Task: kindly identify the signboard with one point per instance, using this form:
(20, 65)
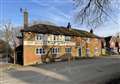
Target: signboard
(49, 43)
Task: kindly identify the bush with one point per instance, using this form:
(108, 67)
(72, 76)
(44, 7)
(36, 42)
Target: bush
(3, 49)
(110, 53)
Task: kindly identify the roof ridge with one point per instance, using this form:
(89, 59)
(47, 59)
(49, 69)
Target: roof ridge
(58, 30)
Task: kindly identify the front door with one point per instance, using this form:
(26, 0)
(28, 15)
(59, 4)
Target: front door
(79, 52)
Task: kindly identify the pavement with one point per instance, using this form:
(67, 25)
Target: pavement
(83, 71)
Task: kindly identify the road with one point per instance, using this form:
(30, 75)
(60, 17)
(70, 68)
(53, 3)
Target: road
(83, 71)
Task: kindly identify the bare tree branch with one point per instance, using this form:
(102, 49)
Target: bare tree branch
(92, 12)
(9, 35)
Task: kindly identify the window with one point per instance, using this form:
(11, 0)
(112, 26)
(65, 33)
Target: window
(96, 40)
(68, 50)
(67, 38)
(40, 51)
(55, 50)
(88, 40)
(56, 38)
(39, 37)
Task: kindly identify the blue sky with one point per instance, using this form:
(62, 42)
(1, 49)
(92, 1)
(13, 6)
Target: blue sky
(59, 12)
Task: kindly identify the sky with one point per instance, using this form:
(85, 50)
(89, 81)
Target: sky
(59, 12)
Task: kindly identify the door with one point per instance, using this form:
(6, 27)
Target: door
(79, 52)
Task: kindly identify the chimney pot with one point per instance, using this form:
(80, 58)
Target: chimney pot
(69, 25)
(91, 31)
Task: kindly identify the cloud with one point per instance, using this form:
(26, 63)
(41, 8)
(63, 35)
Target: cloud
(40, 3)
(59, 12)
(52, 1)
(52, 12)
(51, 7)
(108, 29)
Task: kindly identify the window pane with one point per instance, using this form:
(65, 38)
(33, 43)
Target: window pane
(55, 50)
(37, 51)
(43, 51)
(52, 50)
(88, 40)
(40, 51)
(39, 36)
(67, 38)
(68, 50)
(58, 50)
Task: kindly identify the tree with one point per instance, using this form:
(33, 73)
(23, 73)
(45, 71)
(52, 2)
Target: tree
(93, 12)
(9, 35)
(3, 49)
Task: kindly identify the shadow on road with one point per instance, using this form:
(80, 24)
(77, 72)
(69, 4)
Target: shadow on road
(65, 73)
(34, 75)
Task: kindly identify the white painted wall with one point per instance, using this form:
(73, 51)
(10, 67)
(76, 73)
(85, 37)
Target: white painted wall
(48, 39)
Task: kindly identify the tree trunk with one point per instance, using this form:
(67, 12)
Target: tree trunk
(14, 54)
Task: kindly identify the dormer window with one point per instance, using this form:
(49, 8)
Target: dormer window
(39, 37)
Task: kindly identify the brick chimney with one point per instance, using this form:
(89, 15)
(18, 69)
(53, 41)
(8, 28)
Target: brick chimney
(69, 26)
(25, 17)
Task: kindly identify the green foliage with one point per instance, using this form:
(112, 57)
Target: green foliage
(108, 53)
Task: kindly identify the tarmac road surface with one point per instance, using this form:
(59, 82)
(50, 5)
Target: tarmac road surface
(85, 71)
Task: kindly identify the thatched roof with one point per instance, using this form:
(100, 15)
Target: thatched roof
(57, 30)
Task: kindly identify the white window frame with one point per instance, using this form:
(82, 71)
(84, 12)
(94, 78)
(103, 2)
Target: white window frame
(67, 38)
(39, 37)
(88, 40)
(68, 50)
(55, 50)
(56, 38)
(40, 51)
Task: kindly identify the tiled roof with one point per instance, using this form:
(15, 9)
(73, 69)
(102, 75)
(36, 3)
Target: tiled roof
(107, 39)
(112, 38)
(57, 30)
